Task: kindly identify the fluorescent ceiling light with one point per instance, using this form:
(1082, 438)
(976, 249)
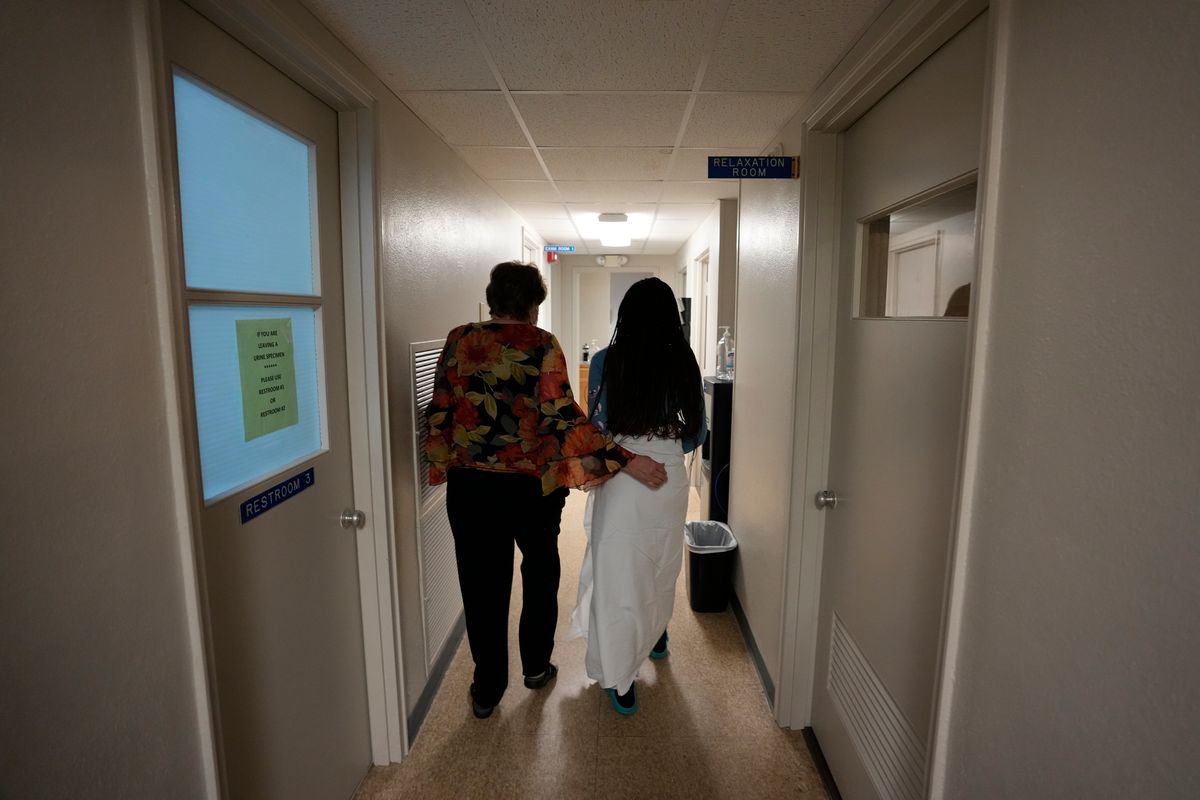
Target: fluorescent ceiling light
(591, 228)
(614, 230)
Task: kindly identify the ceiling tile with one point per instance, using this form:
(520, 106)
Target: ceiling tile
(410, 46)
(635, 247)
(784, 46)
(739, 120)
(541, 211)
(555, 228)
(657, 247)
(673, 229)
(698, 191)
(525, 191)
(589, 226)
(603, 120)
(610, 192)
(616, 44)
(600, 208)
(692, 164)
(503, 163)
(607, 163)
(693, 211)
(468, 118)
(572, 239)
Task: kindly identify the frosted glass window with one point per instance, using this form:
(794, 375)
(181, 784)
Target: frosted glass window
(232, 455)
(247, 193)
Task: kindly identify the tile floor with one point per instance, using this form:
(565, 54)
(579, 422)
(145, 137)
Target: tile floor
(703, 728)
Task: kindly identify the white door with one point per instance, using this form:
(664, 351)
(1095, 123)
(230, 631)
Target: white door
(257, 169)
(907, 172)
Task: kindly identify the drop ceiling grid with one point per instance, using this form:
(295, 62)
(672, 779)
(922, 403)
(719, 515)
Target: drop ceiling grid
(558, 103)
(410, 46)
(503, 163)
(588, 45)
(607, 164)
(781, 45)
(599, 119)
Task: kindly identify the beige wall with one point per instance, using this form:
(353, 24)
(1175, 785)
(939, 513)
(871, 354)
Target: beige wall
(566, 313)
(97, 692)
(760, 472)
(99, 678)
(443, 230)
(1080, 650)
(593, 310)
(705, 238)
(717, 235)
(727, 270)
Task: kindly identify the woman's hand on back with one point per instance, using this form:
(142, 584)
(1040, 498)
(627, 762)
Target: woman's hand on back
(647, 471)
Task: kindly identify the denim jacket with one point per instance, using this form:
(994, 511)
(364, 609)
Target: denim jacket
(598, 407)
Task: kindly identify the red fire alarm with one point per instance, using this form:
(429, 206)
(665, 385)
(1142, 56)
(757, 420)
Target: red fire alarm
(551, 258)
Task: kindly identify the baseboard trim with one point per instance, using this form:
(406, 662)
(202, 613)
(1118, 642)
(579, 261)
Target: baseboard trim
(760, 666)
(818, 757)
(436, 674)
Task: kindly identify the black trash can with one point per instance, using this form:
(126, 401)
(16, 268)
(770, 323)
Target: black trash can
(711, 549)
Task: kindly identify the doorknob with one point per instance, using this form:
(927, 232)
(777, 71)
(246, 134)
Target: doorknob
(353, 518)
(826, 499)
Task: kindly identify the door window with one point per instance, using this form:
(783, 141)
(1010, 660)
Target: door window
(257, 383)
(248, 205)
(918, 259)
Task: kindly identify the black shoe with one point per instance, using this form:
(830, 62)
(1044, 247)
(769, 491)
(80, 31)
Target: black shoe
(625, 704)
(538, 681)
(660, 650)
(480, 711)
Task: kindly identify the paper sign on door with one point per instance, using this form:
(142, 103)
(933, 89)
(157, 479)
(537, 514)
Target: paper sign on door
(268, 375)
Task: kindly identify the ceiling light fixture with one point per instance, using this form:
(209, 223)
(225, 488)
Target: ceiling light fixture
(614, 230)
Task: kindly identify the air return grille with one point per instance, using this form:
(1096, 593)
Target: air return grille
(441, 602)
(894, 756)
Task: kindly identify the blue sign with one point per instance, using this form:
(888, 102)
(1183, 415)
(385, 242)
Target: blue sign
(559, 248)
(277, 494)
(753, 167)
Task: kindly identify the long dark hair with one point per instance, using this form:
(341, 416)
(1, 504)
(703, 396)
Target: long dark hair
(651, 373)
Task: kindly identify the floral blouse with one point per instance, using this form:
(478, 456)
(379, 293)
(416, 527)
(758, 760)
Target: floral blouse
(502, 401)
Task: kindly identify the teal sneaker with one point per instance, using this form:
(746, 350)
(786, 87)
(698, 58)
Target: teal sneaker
(660, 650)
(625, 704)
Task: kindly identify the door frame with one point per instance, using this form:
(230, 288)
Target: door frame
(278, 40)
(900, 39)
(575, 344)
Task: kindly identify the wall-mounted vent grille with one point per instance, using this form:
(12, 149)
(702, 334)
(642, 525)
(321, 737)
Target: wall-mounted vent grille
(441, 602)
(894, 756)
(424, 368)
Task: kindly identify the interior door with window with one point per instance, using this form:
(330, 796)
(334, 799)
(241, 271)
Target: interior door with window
(259, 224)
(906, 262)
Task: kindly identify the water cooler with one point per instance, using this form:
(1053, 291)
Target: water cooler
(714, 467)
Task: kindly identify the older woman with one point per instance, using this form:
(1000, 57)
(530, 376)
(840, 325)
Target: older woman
(506, 435)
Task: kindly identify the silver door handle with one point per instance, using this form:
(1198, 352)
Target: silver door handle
(353, 518)
(826, 499)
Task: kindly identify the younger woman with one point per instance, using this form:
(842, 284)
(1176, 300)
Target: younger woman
(645, 390)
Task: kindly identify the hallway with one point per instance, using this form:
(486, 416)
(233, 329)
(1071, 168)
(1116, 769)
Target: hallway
(202, 194)
(703, 728)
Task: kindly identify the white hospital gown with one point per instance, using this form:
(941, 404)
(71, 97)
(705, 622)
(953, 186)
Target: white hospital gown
(634, 553)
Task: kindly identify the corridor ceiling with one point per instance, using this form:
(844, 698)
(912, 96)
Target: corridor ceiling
(572, 108)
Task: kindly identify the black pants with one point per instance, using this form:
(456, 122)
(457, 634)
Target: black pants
(489, 511)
